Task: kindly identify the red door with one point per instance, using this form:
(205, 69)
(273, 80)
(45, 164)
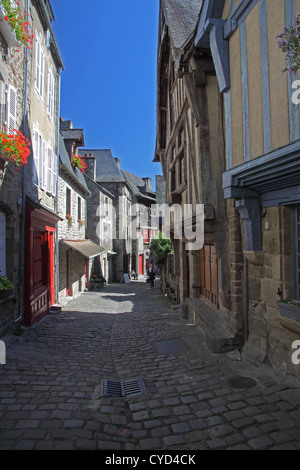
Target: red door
(141, 264)
(51, 263)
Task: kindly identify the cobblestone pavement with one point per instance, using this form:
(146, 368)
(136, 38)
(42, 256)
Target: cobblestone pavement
(50, 387)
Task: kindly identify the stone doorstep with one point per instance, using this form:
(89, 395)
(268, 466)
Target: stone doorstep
(218, 339)
(55, 308)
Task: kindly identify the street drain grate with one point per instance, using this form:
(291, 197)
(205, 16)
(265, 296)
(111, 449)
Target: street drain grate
(125, 388)
(241, 382)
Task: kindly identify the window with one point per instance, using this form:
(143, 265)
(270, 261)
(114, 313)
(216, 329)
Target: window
(181, 169)
(51, 93)
(106, 206)
(39, 66)
(173, 180)
(44, 170)
(68, 201)
(2, 244)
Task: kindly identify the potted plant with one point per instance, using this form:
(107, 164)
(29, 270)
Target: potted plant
(5, 286)
(289, 42)
(14, 148)
(290, 308)
(69, 219)
(78, 162)
(81, 223)
(16, 18)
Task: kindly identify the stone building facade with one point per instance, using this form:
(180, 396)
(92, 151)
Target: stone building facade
(144, 227)
(74, 267)
(261, 181)
(109, 176)
(41, 173)
(226, 70)
(100, 225)
(190, 147)
(12, 95)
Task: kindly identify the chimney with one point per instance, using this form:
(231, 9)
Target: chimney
(148, 184)
(65, 125)
(118, 162)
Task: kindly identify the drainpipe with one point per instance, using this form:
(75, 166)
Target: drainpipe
(57, 173)
(22, 224)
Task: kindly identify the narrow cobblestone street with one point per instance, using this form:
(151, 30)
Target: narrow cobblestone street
(50, 387)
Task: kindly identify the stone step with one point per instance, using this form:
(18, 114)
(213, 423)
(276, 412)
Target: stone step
(56, 308)
(218, 339)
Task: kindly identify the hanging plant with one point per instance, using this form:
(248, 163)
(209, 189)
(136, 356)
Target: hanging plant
(14, 148)
(78, 162)
(69, 219)
(5, 284)
(289, 42)
(17, 20)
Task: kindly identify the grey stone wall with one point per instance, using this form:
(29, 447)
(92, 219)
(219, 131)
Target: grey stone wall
(11, 73)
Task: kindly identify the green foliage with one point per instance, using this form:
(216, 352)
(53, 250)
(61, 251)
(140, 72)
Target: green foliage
(161, 248)
(5, 284)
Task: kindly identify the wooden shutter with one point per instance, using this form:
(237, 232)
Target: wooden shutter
(42, 72)
(49, 169)
(11, 109)
(37, 63)
(50, 103)
(2, 244)
(54, 173)
(43, 158)
(35, 164)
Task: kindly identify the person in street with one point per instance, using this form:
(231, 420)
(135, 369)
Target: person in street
(133, 274)
(151, 279)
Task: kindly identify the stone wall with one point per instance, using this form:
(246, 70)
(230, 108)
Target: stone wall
(11, 73)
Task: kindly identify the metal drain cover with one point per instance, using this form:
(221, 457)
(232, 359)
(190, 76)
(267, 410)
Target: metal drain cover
(172, 346)
(125, 388)
(241, 382)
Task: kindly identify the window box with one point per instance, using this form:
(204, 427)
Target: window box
(290, 309)
(5, 29)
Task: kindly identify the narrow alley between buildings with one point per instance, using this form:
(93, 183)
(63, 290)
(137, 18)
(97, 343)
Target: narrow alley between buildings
(119, 369)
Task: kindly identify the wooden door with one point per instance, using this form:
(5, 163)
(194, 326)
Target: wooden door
(51, 264)
(209, 273)
(141, 264)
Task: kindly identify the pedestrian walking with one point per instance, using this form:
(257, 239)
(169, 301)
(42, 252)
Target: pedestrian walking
(151, 279)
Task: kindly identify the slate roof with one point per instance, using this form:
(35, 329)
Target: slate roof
(66, 163)
(181, 19)
(107, 170)
(138, 185)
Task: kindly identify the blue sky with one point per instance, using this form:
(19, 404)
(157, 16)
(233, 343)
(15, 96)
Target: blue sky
(109, 51)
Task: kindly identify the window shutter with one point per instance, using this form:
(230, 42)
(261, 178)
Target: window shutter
(2, 244)
(37, 63)
(35, 164)
(50, 104)
(49, 169)
(43, 158)
(54, 173)
(11, 109)
(42, 73)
